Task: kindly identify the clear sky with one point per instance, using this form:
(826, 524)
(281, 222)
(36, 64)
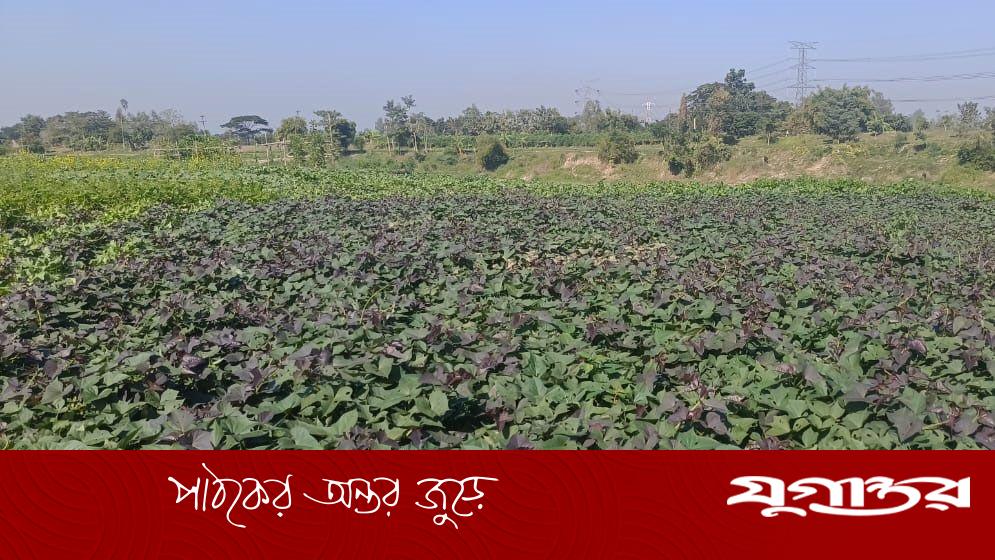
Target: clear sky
(273, 58)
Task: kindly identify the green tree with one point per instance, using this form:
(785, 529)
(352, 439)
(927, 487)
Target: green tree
(27, 133)
(591, 118)
(291, 126)
(140, 129)
(617, 148)
(989, 121)
(170, 128)
(841, 114)
(395, 122)
(617, 120)
(731, 109)
(341, 132)
(247, 128)
(78, 130)
(969, 115)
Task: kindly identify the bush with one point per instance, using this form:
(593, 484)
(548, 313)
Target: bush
(617, 148)
(296, 148)
(901, 139)
(491, 153)
(32, 145)
(202, 146)
(980, 156)
(449, 157)
(86, 143)
(710, 152)
(876, 126)
(316, 149)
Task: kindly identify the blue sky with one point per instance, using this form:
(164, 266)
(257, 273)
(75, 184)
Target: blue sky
(221, 58)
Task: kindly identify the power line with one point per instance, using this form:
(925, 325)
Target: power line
(948, 77)
(643, 93)
(768, 84)
(940, 99)
(970, 53)
(773, 73)
(685, 89)
(766, 66)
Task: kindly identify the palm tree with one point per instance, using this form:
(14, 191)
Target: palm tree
(120, 114)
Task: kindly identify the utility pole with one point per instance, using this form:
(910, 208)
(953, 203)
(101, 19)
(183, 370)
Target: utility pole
(801, 85)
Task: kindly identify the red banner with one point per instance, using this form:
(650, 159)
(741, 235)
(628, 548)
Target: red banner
(413, 504)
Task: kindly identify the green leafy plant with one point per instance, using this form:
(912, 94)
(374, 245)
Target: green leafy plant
(491, 153)
(617, 148)
(202, 304)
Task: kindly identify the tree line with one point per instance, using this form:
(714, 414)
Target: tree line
(710, 116)
(97, 130)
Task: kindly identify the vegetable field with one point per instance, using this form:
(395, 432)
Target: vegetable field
(205, 305)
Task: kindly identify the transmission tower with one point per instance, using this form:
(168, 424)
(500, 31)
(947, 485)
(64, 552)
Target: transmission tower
(801, 85)
(586, 94)
(203, 124)
(648, 106)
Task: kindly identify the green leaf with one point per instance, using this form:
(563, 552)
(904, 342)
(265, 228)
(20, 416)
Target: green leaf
(113, 377)
(53, 392)
(779, 426)
(303, 438)
(913, 399)
(344, 423)
(384, 365)
(439, 403)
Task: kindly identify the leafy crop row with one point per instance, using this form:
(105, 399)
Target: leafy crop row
(295, 310)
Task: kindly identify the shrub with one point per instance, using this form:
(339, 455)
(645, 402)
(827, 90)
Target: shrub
(316, 149)
(675, 165)
(32, 145)
(202, 147)
(901, 139)
(980, 156)
(876, 126)
(296, 148)
(449, 157)
(491, 153)
(710, 152)
(86, 143)
(407, 166)
(617, 148)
